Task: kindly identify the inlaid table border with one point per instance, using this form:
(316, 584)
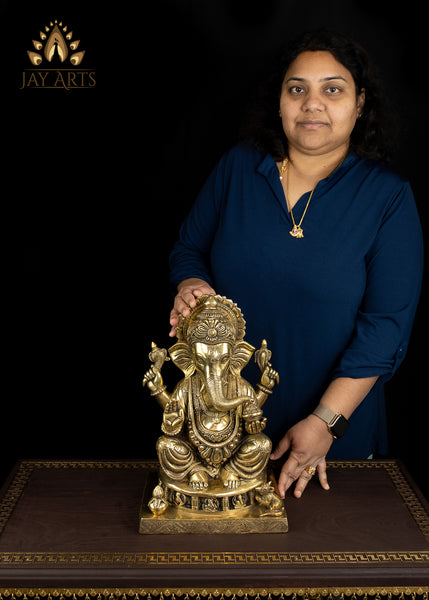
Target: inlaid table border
(26, 468)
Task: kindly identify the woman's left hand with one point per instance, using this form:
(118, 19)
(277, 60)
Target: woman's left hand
(308, 442)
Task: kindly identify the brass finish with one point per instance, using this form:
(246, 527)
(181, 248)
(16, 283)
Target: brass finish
(213, 455)
(238, 517)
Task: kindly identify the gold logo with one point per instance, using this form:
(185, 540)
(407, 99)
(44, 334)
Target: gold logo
(56, 44)
(56, 62)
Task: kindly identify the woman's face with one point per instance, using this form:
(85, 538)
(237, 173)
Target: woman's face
(318, 103)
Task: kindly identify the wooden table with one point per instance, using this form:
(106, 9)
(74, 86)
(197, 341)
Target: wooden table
(71, 527)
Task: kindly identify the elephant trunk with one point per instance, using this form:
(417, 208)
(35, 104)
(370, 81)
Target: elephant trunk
(214, 389)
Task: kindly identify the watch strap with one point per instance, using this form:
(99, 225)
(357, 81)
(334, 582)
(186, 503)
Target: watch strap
(336, 423)
(326, 414)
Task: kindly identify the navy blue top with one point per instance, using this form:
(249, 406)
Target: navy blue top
(339, 302)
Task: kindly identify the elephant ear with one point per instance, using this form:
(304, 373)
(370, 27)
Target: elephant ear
(241, 355)
(182, 357)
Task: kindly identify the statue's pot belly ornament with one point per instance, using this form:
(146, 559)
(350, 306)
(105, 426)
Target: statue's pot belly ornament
(213, 453)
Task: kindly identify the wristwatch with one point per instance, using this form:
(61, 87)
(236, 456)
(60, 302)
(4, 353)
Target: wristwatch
(337, 424)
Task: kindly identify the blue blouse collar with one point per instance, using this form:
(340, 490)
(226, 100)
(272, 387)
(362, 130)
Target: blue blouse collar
(268, 167)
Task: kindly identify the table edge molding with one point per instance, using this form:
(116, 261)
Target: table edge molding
(149, 559)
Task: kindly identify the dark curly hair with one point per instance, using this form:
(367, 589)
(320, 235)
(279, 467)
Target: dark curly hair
(372, 135)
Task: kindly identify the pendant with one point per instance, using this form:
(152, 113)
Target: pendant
(297, 232)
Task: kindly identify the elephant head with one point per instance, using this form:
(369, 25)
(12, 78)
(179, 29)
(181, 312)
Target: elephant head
(214, 345)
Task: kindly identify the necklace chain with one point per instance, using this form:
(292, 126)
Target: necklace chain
(297, 231)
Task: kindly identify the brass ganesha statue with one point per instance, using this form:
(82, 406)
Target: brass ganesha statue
(213, 454)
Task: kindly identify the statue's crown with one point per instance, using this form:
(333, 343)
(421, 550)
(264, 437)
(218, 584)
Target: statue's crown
(213, 320)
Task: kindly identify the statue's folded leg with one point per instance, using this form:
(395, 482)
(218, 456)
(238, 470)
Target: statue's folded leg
(179, 461)
(251, 457)
(176, 457)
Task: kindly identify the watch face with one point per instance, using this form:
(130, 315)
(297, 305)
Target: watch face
(339, 427)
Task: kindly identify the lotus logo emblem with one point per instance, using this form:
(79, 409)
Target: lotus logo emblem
(56, 61)
(57, 45)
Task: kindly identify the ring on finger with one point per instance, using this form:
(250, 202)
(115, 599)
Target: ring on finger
(310, 470)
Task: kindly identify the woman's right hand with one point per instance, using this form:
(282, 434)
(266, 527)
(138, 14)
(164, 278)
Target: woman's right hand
(188, 291)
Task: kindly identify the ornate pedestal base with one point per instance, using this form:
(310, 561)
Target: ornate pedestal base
(216, 510)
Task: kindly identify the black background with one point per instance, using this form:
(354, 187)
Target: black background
(95, 183)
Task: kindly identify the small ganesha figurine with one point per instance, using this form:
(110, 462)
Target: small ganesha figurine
(213, 453)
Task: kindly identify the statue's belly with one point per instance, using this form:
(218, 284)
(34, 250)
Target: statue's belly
(215, 436)
(216, 422)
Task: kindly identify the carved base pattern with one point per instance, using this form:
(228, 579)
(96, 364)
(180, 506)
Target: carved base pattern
(206, 503)
(189, 511)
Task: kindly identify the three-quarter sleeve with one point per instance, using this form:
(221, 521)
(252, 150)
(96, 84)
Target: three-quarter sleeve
(190, 254)
(394, 266)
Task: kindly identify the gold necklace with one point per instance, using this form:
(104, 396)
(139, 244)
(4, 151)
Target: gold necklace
(296, 230)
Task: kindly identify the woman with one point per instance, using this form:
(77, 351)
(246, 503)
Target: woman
(320, 245)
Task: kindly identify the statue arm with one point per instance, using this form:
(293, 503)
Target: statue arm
(154, 382)
(174, 412)
(252, 415)
(261, 397)
(269, 377)
(153, 378)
